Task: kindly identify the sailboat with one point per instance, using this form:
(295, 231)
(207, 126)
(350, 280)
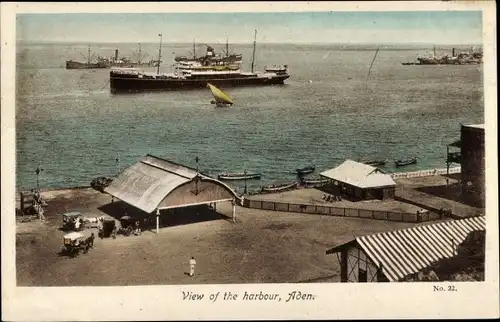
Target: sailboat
(221, 99)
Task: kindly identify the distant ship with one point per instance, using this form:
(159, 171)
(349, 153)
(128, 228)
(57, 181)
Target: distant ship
(197, 73)
(210, 58)
(462, 58)
(71, 64)
(104, 62)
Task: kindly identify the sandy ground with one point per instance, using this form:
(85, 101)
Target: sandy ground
(261, 247)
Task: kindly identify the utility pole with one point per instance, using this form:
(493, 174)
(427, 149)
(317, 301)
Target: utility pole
(245, 174)
(37, 171)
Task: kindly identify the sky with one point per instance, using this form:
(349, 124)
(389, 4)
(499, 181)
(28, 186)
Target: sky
(438, 27)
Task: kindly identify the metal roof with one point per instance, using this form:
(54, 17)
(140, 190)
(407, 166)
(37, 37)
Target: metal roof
(145, 184)
(401, 253)
(359, 175)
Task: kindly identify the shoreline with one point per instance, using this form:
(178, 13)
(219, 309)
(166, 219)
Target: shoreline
(394, 175)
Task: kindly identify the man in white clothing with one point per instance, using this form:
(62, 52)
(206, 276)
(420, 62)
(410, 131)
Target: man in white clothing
(192, 263)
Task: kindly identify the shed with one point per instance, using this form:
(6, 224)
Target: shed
(153, 184)
(395, 255)
(361, 181)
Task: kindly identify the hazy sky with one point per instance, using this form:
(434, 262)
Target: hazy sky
(439, 27)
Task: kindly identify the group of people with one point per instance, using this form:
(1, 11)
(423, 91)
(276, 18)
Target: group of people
(331, 198)
(38, 202)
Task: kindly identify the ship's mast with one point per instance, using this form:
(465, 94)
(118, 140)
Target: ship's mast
(434, 50)
(140, 54)
(159, 54)
(254, 43)
(227, 48)
(194, 48)
(88, 57)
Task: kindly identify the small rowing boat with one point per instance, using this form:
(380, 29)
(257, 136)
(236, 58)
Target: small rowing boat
(375, 163)
(280, 187)
(306, 170)
(402, 163)
(239, 176)
(315, 182)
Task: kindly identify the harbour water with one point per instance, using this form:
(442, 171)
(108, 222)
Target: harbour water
(69, 124)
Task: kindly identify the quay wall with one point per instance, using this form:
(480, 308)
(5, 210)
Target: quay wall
(327, 210)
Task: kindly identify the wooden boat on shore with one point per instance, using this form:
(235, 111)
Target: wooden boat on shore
(315, 182)
(374, 163)
(305, 170)
(239, 176)
(280, 187)
(402, 163)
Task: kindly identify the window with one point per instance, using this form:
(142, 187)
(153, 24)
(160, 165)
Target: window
(362, 276)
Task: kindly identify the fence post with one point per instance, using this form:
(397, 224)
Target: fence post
(288, 207)
(344, 211)
(274, 206)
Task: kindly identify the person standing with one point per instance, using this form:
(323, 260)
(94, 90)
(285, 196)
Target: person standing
(192, 264)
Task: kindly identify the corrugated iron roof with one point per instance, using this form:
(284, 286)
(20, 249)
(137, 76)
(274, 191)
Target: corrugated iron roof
(404, 252)
(359, 175)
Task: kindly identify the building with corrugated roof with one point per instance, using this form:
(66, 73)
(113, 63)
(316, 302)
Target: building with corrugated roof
(399, 254)
(360, 181)
(154, 184)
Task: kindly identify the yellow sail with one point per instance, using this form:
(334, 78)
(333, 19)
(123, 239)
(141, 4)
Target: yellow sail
(220, 96)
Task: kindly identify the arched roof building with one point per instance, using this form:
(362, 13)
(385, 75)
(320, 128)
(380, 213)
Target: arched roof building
(153, 184)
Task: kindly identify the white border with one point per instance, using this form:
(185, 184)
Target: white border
(386, 300)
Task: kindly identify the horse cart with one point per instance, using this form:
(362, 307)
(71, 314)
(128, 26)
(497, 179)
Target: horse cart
(73, 221)
(128, 225)
(76, 242)
(108, 228)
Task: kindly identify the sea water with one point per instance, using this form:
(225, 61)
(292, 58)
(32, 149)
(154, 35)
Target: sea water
(71, 126)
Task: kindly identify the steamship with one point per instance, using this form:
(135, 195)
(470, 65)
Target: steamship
(195, 72)
(116, 61)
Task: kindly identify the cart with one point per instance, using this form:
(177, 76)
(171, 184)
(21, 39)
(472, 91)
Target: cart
(75, 242)
(108, 226)
(72, 221)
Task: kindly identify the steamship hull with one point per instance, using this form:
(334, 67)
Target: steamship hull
(77, 65)
(132, 83)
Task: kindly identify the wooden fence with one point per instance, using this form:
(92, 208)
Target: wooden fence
(424, 173)
(337, 211)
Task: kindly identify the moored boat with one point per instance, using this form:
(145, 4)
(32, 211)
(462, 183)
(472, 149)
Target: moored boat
(306, 170)
(314, 182)
(402, 163)
(280, 187)
(374, 163)
(239, 176)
